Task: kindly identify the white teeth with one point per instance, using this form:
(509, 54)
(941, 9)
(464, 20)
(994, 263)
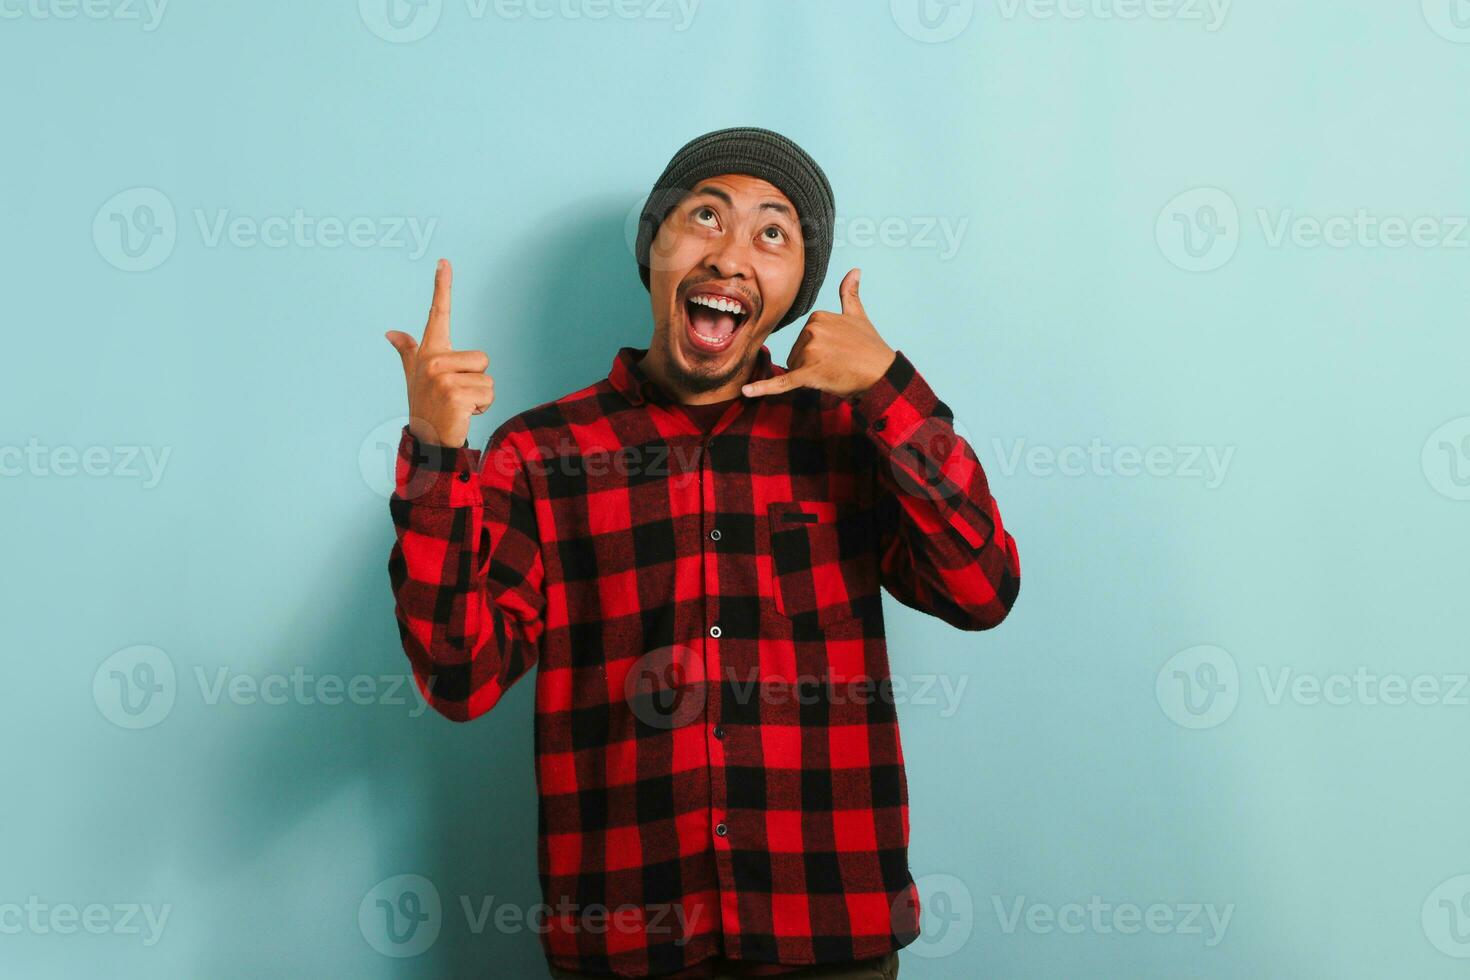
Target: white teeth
(719, 303)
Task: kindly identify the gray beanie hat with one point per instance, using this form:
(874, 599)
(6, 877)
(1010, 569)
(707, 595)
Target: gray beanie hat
(759, 153)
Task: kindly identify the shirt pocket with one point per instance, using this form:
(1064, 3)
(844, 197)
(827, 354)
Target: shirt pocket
(823, 562)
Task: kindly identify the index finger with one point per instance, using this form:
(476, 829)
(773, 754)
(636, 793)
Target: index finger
(776, 385)
(436, 331)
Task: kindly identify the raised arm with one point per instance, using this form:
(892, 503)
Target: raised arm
(943, 548)
(466, 566)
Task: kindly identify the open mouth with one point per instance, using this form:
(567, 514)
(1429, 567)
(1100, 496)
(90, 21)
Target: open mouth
(713, 320)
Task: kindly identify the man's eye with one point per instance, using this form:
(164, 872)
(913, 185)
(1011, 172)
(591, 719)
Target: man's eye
(775, 234)
(704, 213)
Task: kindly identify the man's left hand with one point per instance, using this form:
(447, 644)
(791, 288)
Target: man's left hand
(839, 353)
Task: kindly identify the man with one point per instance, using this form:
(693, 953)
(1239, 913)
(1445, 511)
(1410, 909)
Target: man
(691, 552)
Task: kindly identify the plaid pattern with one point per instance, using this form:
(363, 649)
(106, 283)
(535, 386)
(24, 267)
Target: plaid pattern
(717, 749)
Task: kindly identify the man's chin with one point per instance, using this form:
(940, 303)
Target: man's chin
(697, 372)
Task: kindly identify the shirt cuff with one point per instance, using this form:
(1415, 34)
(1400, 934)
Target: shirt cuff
(437, 476)
(896, 404)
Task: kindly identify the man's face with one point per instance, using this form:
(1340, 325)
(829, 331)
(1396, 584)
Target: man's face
(734, 239)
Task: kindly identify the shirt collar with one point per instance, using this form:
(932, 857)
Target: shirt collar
(630, 380)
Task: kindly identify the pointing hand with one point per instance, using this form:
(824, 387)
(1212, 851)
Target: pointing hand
(445, 386)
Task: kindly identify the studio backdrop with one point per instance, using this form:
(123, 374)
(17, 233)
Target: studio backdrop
(1191, 274)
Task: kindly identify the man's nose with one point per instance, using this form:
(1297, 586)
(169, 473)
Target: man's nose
(729, 257)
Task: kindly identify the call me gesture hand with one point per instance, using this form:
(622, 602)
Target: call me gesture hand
(839, 353)
(445, 386)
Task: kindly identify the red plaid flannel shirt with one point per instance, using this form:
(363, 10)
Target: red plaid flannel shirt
(717, 748)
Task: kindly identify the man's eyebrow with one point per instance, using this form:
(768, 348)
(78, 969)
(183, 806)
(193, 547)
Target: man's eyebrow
(764, 205)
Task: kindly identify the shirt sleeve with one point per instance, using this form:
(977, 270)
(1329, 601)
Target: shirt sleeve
(466, 571)
(943, 548)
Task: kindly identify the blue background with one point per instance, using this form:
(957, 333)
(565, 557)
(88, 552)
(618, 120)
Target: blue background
(1094, 750)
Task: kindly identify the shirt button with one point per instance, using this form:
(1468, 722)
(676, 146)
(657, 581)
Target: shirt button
(464, 476)
(715, 631)
(721, 829)
(719, 732)
(715, 535)
(880, 424)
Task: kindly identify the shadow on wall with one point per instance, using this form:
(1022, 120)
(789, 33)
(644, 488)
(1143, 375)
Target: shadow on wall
(453, 803)
(558, 311)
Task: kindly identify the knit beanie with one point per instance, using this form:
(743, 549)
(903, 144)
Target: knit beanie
(758, 153)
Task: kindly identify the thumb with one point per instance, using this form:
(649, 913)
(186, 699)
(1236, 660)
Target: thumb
(405, 345)
(852, 304)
